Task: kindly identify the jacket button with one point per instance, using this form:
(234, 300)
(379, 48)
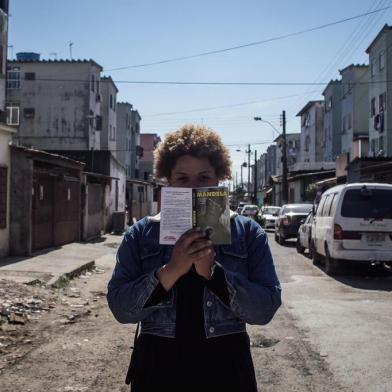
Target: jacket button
(212, 329)
(209, 303)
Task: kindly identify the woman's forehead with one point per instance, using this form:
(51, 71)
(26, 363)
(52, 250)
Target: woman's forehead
(190, 164)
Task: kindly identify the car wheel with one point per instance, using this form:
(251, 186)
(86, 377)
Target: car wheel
(276, 237)
(300, 248)
(316, 258)
(331, 264)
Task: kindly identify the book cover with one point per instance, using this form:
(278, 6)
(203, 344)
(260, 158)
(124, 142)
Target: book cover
(184, 208)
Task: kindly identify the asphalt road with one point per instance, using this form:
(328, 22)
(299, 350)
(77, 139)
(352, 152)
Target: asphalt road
(329, 335)
(346, 319)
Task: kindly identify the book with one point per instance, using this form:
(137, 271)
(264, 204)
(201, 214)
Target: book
(185, 208)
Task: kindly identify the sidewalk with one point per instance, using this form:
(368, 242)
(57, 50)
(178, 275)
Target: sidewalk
(53, 265)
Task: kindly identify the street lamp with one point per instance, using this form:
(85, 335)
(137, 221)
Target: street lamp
(270, 124)
(284, 153)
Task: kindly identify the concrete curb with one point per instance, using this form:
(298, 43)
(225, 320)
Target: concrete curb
(62, 280)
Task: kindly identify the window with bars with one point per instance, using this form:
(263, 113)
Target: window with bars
(13, 115)
(13, 78)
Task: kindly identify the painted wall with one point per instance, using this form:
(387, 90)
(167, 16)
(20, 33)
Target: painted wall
(64, 111)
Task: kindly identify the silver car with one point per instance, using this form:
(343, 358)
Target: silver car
(269, 213)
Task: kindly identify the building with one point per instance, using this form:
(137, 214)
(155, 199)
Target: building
(380, 94)
(355, 117)
(55, 105)
(312, 130)
(45, 200)
(6, 134)
(332, 136)
(128, 138)
(108, 97)
(293, 141)
(63, 107)
(4, 5)
(149, 142)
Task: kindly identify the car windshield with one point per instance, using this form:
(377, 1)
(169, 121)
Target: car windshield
(271, 210)
(367, 203)
(302, 208)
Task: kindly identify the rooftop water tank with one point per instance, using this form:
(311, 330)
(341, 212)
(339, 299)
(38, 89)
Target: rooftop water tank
(27, 56)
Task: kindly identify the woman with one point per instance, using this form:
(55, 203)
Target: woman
(193, 299)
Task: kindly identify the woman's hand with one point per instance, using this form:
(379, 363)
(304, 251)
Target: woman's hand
(204, 263)
(191, 248)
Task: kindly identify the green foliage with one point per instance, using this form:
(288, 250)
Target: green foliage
(310, 192)
(259, 219)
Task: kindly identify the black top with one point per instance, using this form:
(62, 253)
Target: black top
(191, 362)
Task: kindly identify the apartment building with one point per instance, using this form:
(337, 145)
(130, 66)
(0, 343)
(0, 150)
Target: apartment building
(380, 94)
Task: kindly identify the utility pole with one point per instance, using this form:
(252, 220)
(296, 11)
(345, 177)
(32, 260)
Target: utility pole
(255, 181)
(70, 49)
(248, 187)
(285, 188)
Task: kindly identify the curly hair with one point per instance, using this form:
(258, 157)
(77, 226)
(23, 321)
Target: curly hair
(197, 141)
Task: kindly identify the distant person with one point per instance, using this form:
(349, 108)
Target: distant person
(193, 300)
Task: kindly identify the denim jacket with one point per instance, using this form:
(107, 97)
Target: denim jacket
(252, 283)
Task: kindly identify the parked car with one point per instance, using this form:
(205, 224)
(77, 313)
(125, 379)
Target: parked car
(304, 238)
(240, 207)
(269, 213)
(289, 219)
(353, 222)
(250, 210)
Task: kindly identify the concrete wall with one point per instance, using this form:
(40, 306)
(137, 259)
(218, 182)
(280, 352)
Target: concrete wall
(312, 133)
(64, 109)
(354, 104)
(109, 116)
(3, 57)
(21, 205)
(379, 86)
(5, 160)
(332, 140)
(128, 137)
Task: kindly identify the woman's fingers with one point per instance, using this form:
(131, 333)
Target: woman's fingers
(197, 246)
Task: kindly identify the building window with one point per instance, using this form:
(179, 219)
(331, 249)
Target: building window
(13, 78)
(306, 120)
(111, 101)
(110, 132)
(382, 60)
(92, 83)
(114, 133)
(328, 105)
(29, 112)
(381, 143)
(373, 107)
(98, 123)
(3, 197)
(13, 115)
(381, 102)
(307, 143)
(114, 103)
(29, 75)
(372, 67)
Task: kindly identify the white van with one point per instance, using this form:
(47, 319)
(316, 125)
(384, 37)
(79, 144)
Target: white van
(353, 222)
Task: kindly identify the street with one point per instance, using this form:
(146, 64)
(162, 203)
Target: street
(329, 335)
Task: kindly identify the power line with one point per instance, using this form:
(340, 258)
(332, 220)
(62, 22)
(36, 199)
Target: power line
(278, 38)
(214, 83)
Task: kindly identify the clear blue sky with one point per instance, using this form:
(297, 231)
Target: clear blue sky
(127, 32)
